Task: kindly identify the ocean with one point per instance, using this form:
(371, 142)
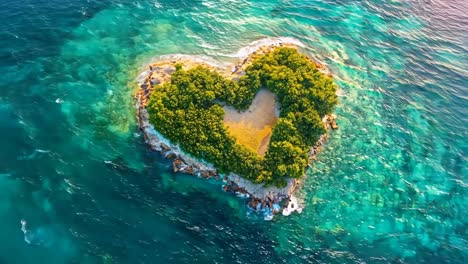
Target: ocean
(390, 185)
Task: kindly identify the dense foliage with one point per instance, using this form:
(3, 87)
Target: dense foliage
(187, 111)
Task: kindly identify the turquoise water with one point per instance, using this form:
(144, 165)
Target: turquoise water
(390, 186)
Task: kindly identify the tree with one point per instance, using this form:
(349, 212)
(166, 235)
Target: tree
(310, 126)
(187, 111)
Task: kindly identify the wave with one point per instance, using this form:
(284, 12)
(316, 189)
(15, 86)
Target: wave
(241, 54)
(175, 57)
(196, 58)
(269, 41)
(33, 154)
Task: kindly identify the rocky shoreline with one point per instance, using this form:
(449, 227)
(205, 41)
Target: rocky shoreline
(269, 200)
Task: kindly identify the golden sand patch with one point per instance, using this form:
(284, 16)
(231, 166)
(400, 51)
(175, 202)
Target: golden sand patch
(252, 128)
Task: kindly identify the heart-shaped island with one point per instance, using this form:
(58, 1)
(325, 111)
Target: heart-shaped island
(259, 123)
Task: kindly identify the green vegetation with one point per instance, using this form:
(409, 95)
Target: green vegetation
(187, 112)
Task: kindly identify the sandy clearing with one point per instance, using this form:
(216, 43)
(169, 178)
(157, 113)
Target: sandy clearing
(253, 127)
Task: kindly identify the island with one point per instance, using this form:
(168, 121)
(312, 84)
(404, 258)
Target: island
(257, 125)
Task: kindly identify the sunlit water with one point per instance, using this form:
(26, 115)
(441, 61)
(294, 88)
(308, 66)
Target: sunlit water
(390, 186)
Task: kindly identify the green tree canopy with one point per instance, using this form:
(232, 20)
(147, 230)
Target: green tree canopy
(187, 112)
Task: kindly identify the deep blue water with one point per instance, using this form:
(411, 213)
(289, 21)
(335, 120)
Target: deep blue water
(390, 186)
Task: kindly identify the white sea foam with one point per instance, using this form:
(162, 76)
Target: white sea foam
(268, 217)
(157, 4)
(293, 205)
(196, 58)
(241, 54)
(256, 45)
(69, 183)
(33, 154)
(25, 231)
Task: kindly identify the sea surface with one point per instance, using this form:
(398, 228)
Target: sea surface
(390, 186)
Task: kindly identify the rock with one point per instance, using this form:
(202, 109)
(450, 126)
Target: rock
(155, 81)
(269, 197)
(331, 122)
(178, 165)
(171, 155)
(205, 174)
(334, 126)
(253, 203)
(165, 147)
(241, 190)
(313, 151)
(213, 174)
(170, 69)
(259, 190)
(258, 204)
(189, 170)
